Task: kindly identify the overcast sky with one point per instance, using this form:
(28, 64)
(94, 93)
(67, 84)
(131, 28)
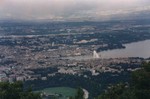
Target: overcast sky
(70, 9)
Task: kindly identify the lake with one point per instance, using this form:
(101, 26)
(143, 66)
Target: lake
(136, 49)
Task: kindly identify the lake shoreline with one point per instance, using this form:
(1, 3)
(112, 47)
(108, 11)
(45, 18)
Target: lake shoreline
(134, 49)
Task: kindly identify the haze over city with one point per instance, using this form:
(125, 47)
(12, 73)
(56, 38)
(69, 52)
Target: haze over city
(74, 49)
(72, 9)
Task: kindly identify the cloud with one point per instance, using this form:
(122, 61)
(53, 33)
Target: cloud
(69, 9)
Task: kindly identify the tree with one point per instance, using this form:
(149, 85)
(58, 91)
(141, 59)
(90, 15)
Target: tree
(139, 88)
(16, 91)
(79, 94)
(114, 92)
(141, 82)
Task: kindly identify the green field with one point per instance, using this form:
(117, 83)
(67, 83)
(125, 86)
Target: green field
(64, 91)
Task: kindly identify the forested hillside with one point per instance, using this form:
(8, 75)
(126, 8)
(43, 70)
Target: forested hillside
(138, 88)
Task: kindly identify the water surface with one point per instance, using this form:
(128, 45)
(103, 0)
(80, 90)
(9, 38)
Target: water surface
(136, 49)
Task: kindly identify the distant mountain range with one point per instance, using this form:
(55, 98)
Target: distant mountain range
(137, 15)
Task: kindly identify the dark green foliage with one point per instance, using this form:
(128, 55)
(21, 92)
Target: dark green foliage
(138, 89)
(79, 94)
(15, 91)
(114, 92)
(141, 82)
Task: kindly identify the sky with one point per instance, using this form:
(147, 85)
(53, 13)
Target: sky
(70, 9)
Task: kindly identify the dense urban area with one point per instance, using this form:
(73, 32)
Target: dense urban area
(39, 53)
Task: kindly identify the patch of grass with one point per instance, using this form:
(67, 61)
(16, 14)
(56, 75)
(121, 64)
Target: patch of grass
(64, 91)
